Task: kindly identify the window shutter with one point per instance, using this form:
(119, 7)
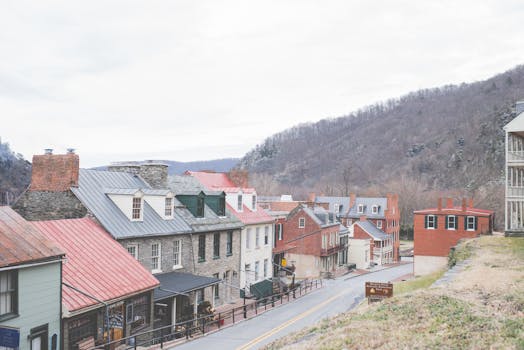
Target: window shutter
(465, 223)
(447, 222)
(426, 221)
(475, 223)
(436, 221)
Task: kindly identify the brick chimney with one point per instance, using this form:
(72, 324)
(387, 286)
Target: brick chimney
(312, 196)
(439, 204)
(363, 218)
(464, 204)
(54, 172)
(449, 202)
(239, 177)
(352, 199)
(470, 204)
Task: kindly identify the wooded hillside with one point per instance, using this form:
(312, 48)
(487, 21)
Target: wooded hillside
(441, 141)
(15, 174)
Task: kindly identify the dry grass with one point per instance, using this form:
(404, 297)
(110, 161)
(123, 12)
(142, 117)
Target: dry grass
(482, 308)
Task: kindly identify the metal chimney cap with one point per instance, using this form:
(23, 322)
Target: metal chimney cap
(48, 151)
(71, 151)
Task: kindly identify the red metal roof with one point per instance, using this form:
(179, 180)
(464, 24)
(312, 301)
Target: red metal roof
(96, 263)
(218, 182)
(248, 216)
(21, 243)
(456, 211)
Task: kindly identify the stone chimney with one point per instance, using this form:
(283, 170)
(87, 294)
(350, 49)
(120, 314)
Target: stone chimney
(464, 204)
(154, 173)
(239, 177)
(439, 204)
(352, 199)
(54, 172)
(449, 203)
(125, 167)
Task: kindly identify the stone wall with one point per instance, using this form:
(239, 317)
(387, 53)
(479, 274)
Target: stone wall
(45, 205)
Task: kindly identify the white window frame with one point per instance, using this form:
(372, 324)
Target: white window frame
(254, 202)
(136, 208)
(248, 238)
(257, 270)
(454, 222)
(177, 254)
(301, 222)
(280, 235)
(239, 203)
(324, 241)
(374, 209)
(158, 267)
(168, 210)
(432, 227)
(266, 235)
(257, 237)
(265, 268)
(360, 209)
(379, 224)
(472, 223)
(135, 248)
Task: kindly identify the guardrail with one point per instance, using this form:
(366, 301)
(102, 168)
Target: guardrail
(180, 332)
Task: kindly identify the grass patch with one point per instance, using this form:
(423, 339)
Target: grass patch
(416, 283)
(460, 253)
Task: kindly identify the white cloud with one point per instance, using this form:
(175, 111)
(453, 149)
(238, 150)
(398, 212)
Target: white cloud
(210, 79)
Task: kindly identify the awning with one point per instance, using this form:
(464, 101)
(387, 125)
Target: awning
(174, 283)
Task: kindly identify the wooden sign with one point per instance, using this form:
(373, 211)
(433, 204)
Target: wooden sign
(378, 290)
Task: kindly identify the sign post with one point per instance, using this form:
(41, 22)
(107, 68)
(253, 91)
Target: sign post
(376, 291)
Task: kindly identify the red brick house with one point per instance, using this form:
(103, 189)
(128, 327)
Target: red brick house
(437, 230)
(382, 244)
(308, 238)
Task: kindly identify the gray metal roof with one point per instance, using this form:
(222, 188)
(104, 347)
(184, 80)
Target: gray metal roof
(343, 203)
(173, 283)
(322, 217)
(376, 233)
(91, 191)
(368, 203)
(189, 185)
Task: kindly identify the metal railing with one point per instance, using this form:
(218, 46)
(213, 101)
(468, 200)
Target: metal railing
(180, 332)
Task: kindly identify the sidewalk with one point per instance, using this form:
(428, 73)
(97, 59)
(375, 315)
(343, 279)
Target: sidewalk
(360, 272)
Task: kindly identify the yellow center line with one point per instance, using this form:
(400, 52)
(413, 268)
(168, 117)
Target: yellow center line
(287, 323)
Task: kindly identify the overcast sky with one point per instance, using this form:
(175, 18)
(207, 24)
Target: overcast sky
(195, 80)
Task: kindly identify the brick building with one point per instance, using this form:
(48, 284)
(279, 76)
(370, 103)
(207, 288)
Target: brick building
(437, 230)
(308, 238)
(381, 247)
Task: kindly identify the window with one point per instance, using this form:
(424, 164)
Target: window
(8, 293)
(265, 267)
(374, 209)
(257, 237)
(257, 263)
(201, 248)
(379, 224)
(471, 223)
(216, 246)
(301, 222)
(39, 337)
(133, 250)
(336, 208)
(217, 291)
(324, 241)
(221, 207)
(266, 235)
(139, 309)
(155, 256)
(278, 233)
(451, 222)
(200, 207)
(239, 202)
(431, 222)
(169, 207)
(247, 269)
(229, 245)
(361, 208)
(137, 208)
(177, 250)
(199, 296)
(248, 238)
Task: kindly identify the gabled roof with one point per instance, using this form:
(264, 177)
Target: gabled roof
(21, 243)
(516, 125)
(372, 230)
(248, 216)
(343, 203)
(218, 182)
(96, 263)
(92, 192)
(368, 203)
(456, 211)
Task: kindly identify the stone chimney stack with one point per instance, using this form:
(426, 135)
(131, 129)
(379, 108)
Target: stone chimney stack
(125, 167)
(449, 203)
(54, 172)
(239, 178)
(154, 173)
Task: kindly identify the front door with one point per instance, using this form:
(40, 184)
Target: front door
(38, 338)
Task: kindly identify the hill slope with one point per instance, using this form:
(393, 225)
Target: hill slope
(15, 174)
(447, 138)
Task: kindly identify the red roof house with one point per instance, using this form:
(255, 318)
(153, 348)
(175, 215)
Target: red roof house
(99, 272)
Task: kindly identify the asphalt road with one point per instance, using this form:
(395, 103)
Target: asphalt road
(336, 296)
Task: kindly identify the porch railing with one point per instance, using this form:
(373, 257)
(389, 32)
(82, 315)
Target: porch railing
(198, 326)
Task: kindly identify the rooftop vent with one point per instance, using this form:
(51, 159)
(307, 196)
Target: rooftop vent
(48, 151)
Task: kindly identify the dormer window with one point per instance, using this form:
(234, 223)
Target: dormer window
(137, 208)
(169, 207)
(200, 207)
(254, 202)
(222, 207)
(361, 208)
(374, 209)
(239, 202)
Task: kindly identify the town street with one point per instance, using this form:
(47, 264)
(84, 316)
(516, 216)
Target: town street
(335, 297)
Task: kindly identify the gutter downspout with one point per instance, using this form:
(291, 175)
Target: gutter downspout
(98, 300)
